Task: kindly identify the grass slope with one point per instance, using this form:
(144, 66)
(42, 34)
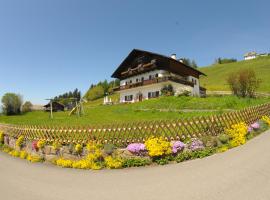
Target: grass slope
(217, 74)
(96, 114)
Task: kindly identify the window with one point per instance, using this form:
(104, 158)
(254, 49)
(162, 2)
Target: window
(150, 77)
(156, 75)
(142, 79)
(129, 98)
(130, 81)
(137, 80)
(153, 94)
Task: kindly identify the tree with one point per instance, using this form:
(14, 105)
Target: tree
(194, 64)
(12, 103)
(244, 83)
(224, 60)
(95, 93)
(27, 107)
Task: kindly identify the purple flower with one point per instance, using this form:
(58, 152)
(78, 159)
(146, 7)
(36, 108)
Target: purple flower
(255, 125)
(177, 146)
(250, 129)
(196, 145)
(136, 148)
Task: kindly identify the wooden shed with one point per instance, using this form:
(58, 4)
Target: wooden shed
(56, 106)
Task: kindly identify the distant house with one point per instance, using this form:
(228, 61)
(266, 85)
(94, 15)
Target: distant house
(143, 74)
(253, 54)
(250, 55)
(55, 107)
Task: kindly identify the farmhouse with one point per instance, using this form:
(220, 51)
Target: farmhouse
(143, 74)
(250, 55)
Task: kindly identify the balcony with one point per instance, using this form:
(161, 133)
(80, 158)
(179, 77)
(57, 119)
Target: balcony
(153, 81)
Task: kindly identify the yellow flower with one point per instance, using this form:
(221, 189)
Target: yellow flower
(19, 141)
(266, 119)
(41, 144)
(158, 146)
(237, 133)
(113, 163)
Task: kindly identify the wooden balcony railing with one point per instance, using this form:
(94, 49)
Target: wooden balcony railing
(153, 81)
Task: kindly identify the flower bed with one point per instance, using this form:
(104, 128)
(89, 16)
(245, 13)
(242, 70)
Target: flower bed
(155, 150)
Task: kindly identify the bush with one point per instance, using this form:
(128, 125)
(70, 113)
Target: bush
(177, 146)
(27, 107)
(266, 119)
(19, 141)
(136, 162)
(158, 147)
(196, 145)
(1, 137)
(243, 83)
(56, 146)
(41, 144)
(113, 163)
(11, 104)
(109, 148)
(95, 93)
(183, 156)
(223, 138)
(78, 149)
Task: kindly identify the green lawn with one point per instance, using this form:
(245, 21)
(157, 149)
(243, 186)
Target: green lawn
(154, 109)
(217, 74)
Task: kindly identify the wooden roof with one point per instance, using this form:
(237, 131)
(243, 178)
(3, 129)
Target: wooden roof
(130, 63)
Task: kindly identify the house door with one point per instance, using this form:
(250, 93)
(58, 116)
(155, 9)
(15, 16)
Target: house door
(140, 97)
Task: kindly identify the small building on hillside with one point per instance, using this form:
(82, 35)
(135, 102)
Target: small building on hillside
(250, 55)
(144, 74)
(56, 106)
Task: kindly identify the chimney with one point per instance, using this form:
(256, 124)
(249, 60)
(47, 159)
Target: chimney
(181, 60)
(173, 56)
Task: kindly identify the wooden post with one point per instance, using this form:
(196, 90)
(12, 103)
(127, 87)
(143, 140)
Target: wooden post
(51, 109)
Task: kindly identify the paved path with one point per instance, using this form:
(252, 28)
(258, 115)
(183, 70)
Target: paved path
(241, 173)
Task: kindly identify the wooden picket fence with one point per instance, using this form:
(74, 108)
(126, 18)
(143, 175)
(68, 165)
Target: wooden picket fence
(123, 134)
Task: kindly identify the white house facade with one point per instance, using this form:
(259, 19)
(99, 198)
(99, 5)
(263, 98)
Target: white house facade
(250, 55)
(143, 75)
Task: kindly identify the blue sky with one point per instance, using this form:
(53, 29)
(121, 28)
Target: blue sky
(52, 46)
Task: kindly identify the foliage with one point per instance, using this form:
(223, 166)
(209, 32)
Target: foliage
(158, 146)
(225, 60)
(266, 119)
(23, 154)
(12, 104)
(196, 144)
(223, 149)
(136, 148)
(188, 62)
(243, 83)
(167, 90)
(19, 141)
(101, 89)
(27, 107)
(136, 162)
(56, 146)
(109, 148)
(113, 163)
(186, 155)
(223, 138)
(68, 97)
(41, 144)
(95, 93)
(34, 158)
(164, 160)
(1, 137)
(237, 133)
(78, 148)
